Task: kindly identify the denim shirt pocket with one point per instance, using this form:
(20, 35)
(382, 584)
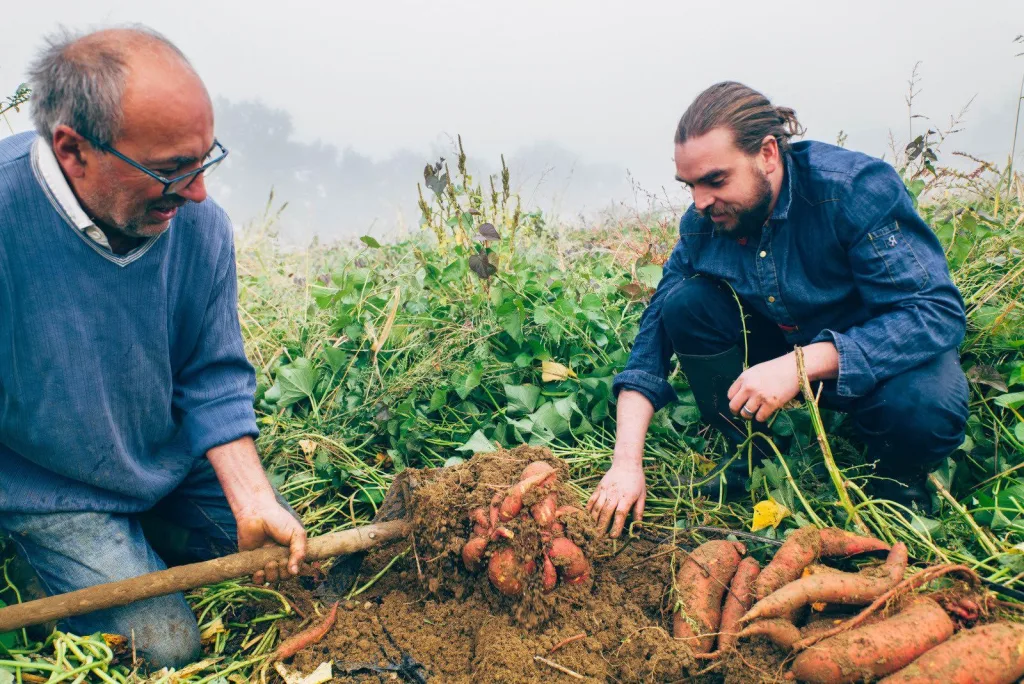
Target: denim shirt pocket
(896, 253)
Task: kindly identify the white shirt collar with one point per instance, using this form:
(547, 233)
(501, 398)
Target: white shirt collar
(54, 178)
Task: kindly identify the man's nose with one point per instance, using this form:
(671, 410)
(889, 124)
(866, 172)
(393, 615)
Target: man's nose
(196, 190)
(702, 199)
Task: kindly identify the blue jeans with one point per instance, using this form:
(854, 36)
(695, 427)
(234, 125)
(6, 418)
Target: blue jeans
(70, 551)
(909, 422)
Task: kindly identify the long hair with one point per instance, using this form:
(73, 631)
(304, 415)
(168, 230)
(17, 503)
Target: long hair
(744, 111)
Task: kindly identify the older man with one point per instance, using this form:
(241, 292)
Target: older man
(124, 386)
(823, 248)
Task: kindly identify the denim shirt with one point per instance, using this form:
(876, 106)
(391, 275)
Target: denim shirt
(844, 258)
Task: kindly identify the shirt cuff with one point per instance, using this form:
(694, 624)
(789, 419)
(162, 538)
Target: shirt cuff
(655, 389)
(219, 422)
(855, 377)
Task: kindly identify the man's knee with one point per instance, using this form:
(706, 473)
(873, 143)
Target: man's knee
(700, 317)
(918, 417)
(163, 629)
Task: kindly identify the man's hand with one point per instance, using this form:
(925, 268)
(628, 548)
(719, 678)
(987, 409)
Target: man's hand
(268, 524)
(622, 489)
(259, 516)
(763, 389)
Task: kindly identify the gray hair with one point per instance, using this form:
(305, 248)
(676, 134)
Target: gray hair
(82, 86)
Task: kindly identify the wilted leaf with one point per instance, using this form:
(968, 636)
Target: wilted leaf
(552, 371)
(434, 179)
(487, 233)
(634, 290)
(378, 344)
(478, 444)
(308, 446)
(479, 264)
(768, 513)
(370, 242)
(984, 374)
(914, 148)
(212, 630)
(454, 461)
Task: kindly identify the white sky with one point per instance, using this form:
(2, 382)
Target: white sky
(606, 80)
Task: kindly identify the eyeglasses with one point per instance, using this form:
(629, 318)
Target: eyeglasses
(174, 185)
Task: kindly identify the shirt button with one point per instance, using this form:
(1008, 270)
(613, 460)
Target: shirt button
(763, 254)
(771, 300)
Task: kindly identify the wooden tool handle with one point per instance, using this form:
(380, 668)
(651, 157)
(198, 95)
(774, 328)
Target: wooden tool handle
(192, 576)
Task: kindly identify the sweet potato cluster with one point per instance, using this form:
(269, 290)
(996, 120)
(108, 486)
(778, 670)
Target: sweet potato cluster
(726, 596)
(507, 571)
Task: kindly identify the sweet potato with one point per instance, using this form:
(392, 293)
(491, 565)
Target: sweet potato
(846, 588)
(473, 553)
(738, 601)
(701, 582)
(506, 572)
(549, 576)
(569, 558)
(512, 504)
(306, 637)
(799, 550)
(836, 543)
(879, 649)
(543, 512)
(780, 630)
(993, 654)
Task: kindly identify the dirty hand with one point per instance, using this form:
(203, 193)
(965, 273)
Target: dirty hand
(622, 489)
(265, 524)
(765, 388)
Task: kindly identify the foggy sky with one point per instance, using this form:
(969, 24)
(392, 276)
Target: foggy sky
(339, 105)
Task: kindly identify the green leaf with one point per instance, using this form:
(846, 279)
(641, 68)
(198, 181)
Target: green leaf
(1018, 431)
(549, 422)
(437, 400)
(512, 323)
(369, 242)
(541, 315)
(1013, 400)
(686, 412)
(600, 411)
(336, 359)
(522, 399)
(478, 444)
(649, 275)
(466, 384)
(293, 384)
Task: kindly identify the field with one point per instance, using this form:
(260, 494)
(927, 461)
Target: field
(492, 328)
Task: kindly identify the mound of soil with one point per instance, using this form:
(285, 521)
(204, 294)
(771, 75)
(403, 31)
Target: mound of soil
(428, 610)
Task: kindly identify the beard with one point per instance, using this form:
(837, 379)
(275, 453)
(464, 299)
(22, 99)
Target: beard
(747, 220)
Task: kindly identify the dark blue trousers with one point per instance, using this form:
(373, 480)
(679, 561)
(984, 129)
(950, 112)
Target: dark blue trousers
(909, 422)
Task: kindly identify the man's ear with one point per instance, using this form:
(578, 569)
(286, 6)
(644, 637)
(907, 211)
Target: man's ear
(771, 159)
(73, 152)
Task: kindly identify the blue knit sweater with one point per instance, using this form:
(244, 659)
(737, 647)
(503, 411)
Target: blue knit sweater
(116, 373)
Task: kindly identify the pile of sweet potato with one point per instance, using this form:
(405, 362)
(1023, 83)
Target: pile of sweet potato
(507, 570)
(726, 596)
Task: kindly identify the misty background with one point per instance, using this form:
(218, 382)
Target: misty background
(339, 106)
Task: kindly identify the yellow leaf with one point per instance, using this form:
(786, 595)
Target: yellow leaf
(386, 332)
(768, 513)
(115, 641)
(704, 464)
(308, 446)
(210, 633)
(555, 372)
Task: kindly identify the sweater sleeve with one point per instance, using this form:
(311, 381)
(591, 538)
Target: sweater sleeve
(214, 390)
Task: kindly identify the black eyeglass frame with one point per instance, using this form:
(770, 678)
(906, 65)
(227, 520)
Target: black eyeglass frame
(176, 182)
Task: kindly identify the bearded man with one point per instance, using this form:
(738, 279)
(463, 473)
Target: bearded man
(822, 248)
(125, 392)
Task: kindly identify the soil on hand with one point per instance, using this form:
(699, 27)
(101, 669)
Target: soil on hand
(429, 610)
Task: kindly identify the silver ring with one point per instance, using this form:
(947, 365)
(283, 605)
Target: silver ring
(747, 412)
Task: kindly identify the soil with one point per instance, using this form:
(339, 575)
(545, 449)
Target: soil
(429, 611)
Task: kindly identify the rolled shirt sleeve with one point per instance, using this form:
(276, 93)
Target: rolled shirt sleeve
(215, 389)
(902, 276)
(648, 366)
